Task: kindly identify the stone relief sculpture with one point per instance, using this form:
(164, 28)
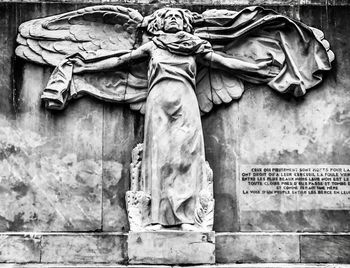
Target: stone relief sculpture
(172, 66)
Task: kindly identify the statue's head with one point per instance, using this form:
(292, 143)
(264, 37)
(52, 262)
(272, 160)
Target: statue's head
(170, 20)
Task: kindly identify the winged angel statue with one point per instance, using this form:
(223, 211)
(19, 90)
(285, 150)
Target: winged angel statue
(172, 66)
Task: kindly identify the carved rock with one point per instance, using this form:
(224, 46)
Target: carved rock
(204, 213)
(137, 201)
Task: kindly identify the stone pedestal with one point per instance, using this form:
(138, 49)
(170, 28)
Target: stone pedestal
(171, 247)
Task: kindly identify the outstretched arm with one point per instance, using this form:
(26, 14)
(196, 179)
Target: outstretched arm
(81, 66)
(217, 61)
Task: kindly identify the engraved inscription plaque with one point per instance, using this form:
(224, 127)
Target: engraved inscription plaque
(294, 187)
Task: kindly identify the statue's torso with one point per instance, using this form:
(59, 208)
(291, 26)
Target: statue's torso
(164, 65)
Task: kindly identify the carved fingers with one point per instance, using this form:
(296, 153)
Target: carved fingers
(78, 65)
(266, 68)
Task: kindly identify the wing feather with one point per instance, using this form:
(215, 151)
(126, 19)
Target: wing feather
(203, 91)
(21, 40)
(216, 85)
(26, 53)
(233, 85)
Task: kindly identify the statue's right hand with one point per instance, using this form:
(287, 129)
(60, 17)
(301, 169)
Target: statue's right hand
(79, 65)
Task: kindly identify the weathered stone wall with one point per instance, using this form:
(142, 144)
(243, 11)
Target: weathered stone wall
(64, 174)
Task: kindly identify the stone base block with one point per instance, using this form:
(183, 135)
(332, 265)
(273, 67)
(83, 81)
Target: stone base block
(83, 248)
(19, 248)
(171, 247)
(257, 248)
(325, 248)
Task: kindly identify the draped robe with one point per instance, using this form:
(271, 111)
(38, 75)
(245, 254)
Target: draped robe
(173, 162)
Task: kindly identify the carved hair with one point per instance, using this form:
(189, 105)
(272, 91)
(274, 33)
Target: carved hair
(156, 20)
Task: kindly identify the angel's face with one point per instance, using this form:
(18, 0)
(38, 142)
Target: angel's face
(173, 21)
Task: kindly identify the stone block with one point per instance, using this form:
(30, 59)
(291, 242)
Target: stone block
(294, 198)
(300, 133)
(296, 221)
(84, 248)
(255, 248)
(122, 129)
(220, 136)
(50, 162)
(325, 248)
(169, 247)
(19, 249)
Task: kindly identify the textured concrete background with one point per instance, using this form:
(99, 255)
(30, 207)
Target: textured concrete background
(68, 171)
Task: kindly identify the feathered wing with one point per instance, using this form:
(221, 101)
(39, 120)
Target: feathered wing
(299, 53)
(215, 87)
(96, 32)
